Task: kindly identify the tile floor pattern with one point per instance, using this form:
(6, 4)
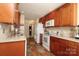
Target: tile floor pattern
(34, 49)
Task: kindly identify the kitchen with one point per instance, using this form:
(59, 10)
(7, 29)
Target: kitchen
(39, 29)
(61, 31)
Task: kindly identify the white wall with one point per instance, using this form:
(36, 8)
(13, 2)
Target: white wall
(22, 22)
(30, 22)
(22, 19)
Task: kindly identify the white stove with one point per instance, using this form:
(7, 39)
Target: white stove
(46, 42)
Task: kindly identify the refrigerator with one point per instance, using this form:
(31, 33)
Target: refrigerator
(38, 30)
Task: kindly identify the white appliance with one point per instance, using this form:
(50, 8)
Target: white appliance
(46, 42)
(38, 30)
(50, 23)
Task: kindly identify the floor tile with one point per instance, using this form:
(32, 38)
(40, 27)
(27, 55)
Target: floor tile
(34, 49)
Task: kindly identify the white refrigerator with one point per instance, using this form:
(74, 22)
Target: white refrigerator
(38, 30)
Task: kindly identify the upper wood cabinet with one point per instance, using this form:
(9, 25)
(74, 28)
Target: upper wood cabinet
(17, 16)
(57, 17)
(17, 6)
(17, 19)
(66, 15)
(51, 15)
(7, 12)
(47, 17)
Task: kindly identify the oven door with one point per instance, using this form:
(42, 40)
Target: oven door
(46, 39)
(46, 42)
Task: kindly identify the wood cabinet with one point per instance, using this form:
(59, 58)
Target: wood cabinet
(51, 15)
(17, 6)
(12, 48)
(17, 19)
(56, 47)
(7, 12)
(57, 17)
(62, 47)
(17, 16)
(66, 15)
(47, 17)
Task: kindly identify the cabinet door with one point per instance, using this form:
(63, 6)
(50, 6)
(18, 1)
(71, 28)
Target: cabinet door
(12, 48)
(62, 47)
(17, 6)
(72, 50)
(3, 49)
(52, 44)
(65, 15)
(15, 48)
(17, 19)
(69, 15)
(57, 17)
(77, 49)
(7, 12)
(73, 14)
(55, 46)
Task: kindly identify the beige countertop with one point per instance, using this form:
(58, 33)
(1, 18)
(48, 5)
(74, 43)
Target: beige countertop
(67, 38)
(13, 39)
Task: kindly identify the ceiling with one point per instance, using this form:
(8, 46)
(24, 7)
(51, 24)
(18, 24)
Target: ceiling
(37, 10)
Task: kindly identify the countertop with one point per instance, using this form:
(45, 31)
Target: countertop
(67, 38)
(12, 39)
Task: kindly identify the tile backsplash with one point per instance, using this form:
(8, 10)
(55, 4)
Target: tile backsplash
(4, 31)
(62, 31)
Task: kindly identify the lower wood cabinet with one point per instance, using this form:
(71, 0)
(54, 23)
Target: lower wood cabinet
(12, 48)
(62, 47)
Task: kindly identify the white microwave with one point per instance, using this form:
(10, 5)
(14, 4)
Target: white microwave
(50, 23)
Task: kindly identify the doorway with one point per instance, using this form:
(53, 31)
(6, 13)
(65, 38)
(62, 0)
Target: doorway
(30, 31)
